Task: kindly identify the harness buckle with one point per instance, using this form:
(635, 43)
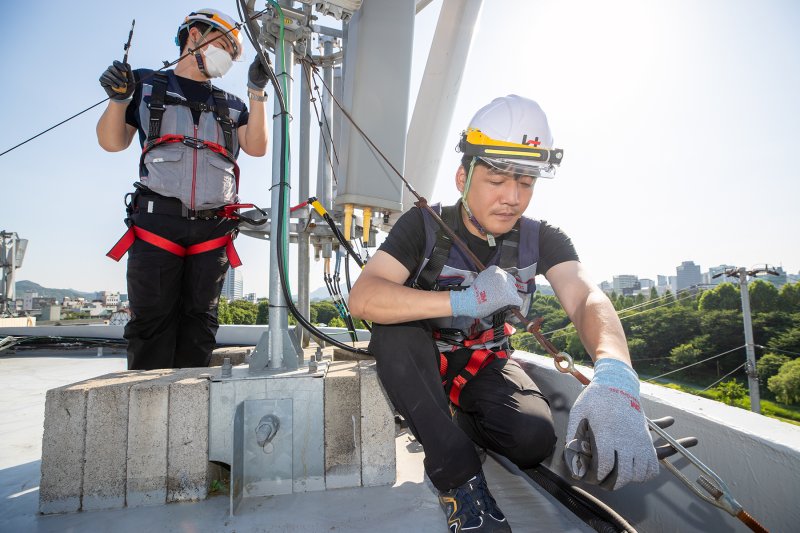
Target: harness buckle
(193, 142)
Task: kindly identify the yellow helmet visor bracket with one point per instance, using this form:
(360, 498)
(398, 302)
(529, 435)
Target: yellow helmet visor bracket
(477, 144)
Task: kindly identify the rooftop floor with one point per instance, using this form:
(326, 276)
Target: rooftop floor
(409, 505)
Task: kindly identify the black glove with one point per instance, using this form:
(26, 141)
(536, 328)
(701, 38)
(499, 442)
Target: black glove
(257, 76)
(117, 81)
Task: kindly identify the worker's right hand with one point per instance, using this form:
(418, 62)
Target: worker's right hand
(493, 289)
(117, 81)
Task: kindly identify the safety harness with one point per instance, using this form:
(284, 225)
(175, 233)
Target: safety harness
(159, 99)
(157, 204)
(462, 356)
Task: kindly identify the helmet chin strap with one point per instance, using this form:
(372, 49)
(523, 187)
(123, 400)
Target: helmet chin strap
(198, 55)
(489, 237)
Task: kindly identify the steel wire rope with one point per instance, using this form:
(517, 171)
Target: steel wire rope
(767, 348)
(283, 186)
(166, 64)
(723, 377)
(324, 120)
(696, 363)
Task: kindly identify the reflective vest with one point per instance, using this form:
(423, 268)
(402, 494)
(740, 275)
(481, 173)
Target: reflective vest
(194, 163)
(445, 267)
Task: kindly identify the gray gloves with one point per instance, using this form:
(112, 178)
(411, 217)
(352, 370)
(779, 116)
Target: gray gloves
(608, 443)
(257, 76)
(117, 81)
(493, 289)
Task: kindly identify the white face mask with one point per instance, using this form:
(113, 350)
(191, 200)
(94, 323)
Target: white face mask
(215, 62)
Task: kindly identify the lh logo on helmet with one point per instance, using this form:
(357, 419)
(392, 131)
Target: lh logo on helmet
(535, 141)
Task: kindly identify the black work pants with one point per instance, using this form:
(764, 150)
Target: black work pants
(501, 408)
(173, 299)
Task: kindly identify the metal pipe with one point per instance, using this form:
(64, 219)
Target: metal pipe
(304, 261)
(324, 155)
(278, 317)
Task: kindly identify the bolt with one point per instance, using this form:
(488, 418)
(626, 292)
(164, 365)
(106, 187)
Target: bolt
(227, 368)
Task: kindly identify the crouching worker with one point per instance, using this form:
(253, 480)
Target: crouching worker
(440, 336)
(179, 238)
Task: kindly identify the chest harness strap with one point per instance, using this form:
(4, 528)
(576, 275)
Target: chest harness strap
(220, 110)
(467, 355)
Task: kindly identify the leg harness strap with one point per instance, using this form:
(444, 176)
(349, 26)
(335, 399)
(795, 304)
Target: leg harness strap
(135, 232)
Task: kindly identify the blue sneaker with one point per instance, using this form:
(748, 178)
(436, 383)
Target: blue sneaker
(471, 508)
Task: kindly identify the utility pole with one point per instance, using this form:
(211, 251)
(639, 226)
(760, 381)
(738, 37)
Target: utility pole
(750, 366)
(12, 252)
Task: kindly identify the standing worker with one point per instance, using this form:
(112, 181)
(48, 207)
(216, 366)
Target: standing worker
(441, 340)
(180, 237)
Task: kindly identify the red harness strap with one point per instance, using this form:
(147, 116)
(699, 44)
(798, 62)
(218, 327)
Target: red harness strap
(479, 358)
(135, 232)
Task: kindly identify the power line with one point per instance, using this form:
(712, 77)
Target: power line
(776, 350)
(725, 376)
(696, 363)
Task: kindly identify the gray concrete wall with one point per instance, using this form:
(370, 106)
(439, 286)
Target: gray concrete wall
(758, 458)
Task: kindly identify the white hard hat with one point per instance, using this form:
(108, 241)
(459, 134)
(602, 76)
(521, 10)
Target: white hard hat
(218, 21)
(512, 133)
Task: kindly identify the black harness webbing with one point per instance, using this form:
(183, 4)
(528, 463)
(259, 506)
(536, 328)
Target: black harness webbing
(509, 250)
(159, 98)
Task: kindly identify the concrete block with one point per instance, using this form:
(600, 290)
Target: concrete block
(105, 470)
(342, 426)
(188, 469)
(378, 459)
(63, 450)
(147, 443)
(340, 354)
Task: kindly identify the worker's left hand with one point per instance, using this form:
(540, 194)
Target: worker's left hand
(257, 75)
(608, 443)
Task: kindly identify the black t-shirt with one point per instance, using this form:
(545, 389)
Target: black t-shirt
(193, 91)
(406, 243)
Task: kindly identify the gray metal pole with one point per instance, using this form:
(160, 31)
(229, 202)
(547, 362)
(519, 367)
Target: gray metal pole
(325, 155)
(304, 261)
(750, 366)
(278, 318)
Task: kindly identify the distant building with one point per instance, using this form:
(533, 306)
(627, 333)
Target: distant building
(646, 283)
(606, 287)
(233, 287)
(688, 275)
(709, 279)
(27, 300)
(625, 284)
(110, 299)
(251, 297)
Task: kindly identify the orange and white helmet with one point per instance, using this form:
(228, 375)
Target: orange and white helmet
(512, 133)
(218, 21)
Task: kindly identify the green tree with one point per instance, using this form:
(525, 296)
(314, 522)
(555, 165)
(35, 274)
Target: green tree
(786, 384)
(325, 311)
(262, 315)
(731, 392)
(687, 353)
(789, 297)
(243, 312)
(336, 322)
(763, 296)
(224, 312)
(724, 296)
(769, 365)
(788, 341)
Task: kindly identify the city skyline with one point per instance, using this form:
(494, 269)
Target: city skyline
(678, 123)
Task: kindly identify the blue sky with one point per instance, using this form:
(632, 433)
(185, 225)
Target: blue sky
(679, 122)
